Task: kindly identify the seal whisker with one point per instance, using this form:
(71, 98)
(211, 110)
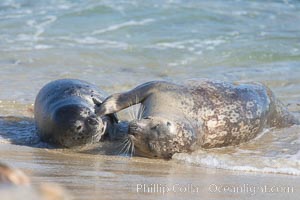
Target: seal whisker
(132, 148)
(136, 107)
(141, 111)
(128, 148)
(123, 142)
(123, 149)
(130, 113)
(135, 111)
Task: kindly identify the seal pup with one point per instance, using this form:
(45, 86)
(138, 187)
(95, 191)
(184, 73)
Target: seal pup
(197, 114)
(65, 116)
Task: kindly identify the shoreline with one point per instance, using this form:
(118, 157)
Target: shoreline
(88, 176)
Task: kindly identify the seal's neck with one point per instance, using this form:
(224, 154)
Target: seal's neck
(117, 130)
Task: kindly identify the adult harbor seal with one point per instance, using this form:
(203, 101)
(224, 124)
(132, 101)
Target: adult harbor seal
(64, 113)
(198, 113)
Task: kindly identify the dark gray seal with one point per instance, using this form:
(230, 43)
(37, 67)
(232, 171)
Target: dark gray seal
(199, 113)
(64, 113)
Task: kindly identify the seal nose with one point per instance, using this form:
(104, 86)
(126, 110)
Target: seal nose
(133, 128)
(92, 120)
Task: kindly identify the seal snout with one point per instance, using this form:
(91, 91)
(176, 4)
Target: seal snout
(93, 120)
(135, 128)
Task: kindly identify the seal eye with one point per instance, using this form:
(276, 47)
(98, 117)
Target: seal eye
(168, 124)
(78, 128)
(154, 127)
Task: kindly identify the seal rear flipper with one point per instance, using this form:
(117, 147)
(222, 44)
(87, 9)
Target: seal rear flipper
(281, 117)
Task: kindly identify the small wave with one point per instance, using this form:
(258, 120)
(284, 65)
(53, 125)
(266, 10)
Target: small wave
(18, 130)
(123, 25)
(40, 27)
(275, 151)
(193, 45)
(27, 47)
(229, 163)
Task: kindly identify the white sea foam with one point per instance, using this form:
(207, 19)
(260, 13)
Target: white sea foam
(175, 45)
(42, 46)
(192, 45)
(4, 141)
(264, 165)
(41, 27)
(273, 151)
(122, 25)
(94, 41)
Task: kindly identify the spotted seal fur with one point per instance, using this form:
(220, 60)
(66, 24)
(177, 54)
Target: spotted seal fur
(197, 114)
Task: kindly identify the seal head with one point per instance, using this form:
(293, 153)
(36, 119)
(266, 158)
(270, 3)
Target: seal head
(76, 125)
(64, 113)
(161, 137)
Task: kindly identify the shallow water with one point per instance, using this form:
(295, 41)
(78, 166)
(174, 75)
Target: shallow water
(119, 44)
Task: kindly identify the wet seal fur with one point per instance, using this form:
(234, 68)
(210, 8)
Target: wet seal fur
(197, 114)
(64, 113)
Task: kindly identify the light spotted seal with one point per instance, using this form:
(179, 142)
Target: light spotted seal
(198, 113)
(65, 116)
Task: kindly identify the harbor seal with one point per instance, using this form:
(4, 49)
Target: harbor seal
(197, 114)
(65, 116)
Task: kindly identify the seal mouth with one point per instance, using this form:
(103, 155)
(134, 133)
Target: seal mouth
(99, 125)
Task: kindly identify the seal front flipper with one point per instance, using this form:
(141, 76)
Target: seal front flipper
(113, 117)
(120, 101)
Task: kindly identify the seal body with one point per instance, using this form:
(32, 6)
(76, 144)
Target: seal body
(197, 114)
(64, 113)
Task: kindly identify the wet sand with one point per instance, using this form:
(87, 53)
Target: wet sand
(88, 176)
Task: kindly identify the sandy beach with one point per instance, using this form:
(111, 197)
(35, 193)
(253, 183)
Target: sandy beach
(113, 177)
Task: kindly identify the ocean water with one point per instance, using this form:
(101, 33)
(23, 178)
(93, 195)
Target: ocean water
(118, 44)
